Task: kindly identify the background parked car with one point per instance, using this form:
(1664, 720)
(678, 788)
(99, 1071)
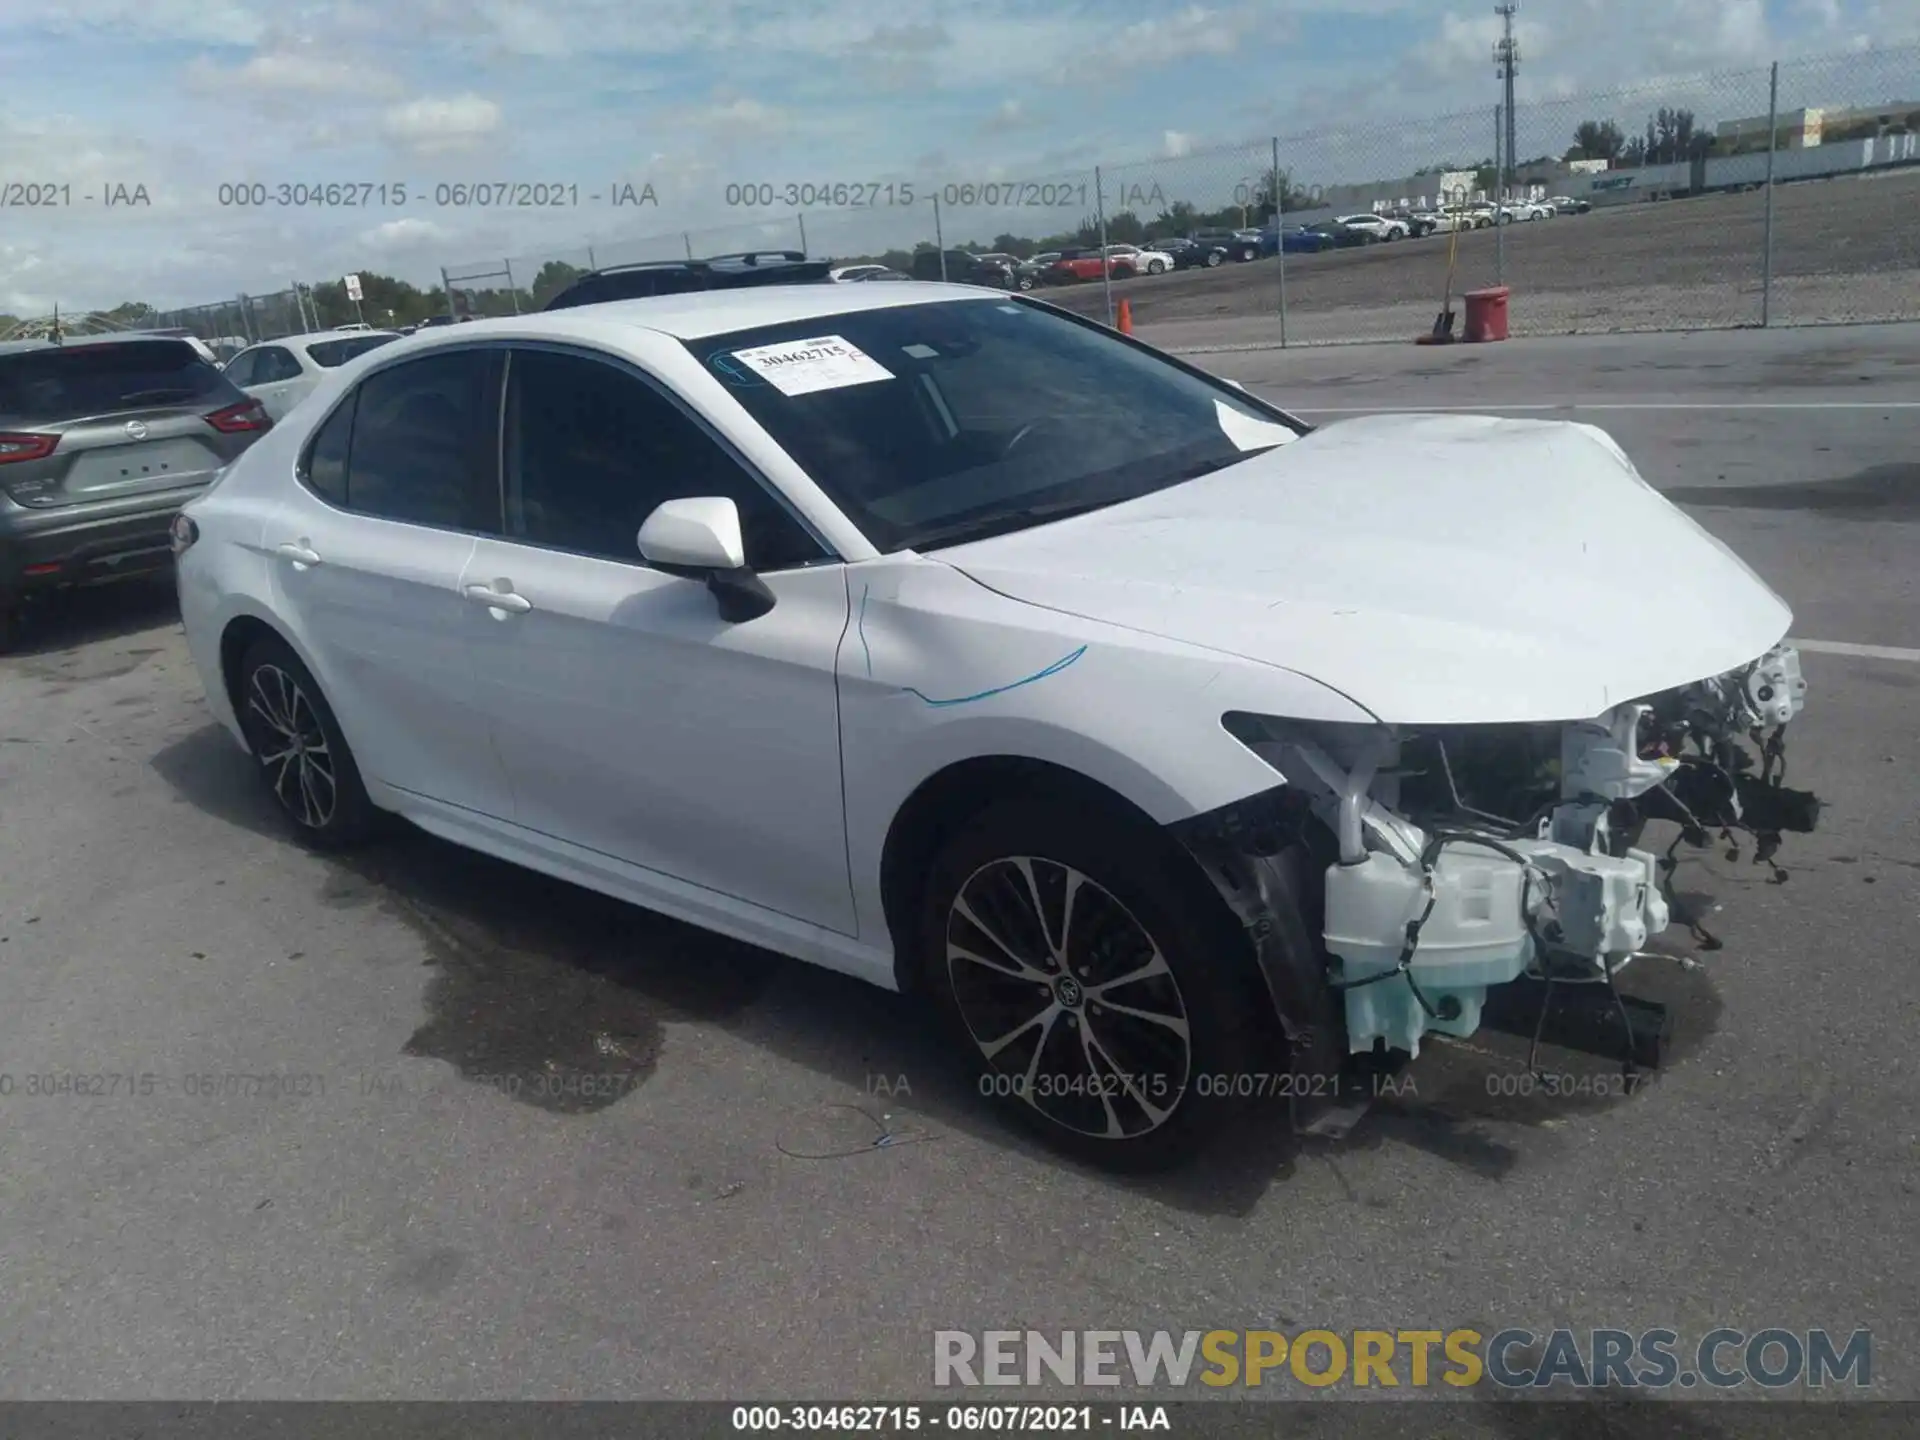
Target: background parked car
(1379, 227)
(1076, 266)
(280, 374)
(1345, 237)
(102, 440)
(1306, 240)
(965, 268)
(1136, 260)
(1036, 271)
(1567, 205)
(1239, 245)
(1189, 255)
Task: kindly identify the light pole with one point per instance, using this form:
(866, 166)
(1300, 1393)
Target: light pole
(1506, 59)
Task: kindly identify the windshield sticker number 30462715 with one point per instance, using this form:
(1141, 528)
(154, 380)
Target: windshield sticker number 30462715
(800, 367)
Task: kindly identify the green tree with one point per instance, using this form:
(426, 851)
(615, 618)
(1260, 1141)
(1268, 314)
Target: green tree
(1597, 140)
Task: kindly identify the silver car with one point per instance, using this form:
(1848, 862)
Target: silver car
(102, 440)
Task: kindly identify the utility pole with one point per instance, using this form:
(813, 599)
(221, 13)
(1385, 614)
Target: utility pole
(1506, 59)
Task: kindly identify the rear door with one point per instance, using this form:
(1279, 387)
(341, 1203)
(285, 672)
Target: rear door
(367, 553)
(131, 421)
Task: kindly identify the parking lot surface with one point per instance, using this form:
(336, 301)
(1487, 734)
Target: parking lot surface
(422, 1125)
(1843, 250)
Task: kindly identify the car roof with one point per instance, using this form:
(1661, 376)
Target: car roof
(316, 336)
(87, 342)
(696, 314)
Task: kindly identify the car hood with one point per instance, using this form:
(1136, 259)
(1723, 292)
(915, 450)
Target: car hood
(1434, 569)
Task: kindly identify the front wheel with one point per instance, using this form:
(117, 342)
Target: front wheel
(1093, 982)
(1025, 282)
(1214, 258)
(296, 742)
(1155, 267)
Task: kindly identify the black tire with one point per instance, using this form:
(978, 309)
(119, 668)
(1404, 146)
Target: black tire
(1025, 282)
(1155, 267)
(279, 702)
(1139, 903)
(1248, 254)
(1214, 257)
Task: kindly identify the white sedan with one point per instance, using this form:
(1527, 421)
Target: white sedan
(1380, 227)
(1137, 260)
(958, 644)
(282, 373)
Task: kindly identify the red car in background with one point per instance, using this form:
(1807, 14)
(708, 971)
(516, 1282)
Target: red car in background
(1083, 264)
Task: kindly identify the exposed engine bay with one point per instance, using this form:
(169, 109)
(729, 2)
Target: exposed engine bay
(1469, 857)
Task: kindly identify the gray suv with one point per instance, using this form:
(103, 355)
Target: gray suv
(102, 440)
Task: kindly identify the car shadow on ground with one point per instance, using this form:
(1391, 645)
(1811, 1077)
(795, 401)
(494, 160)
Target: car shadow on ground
(564, 992)
(64, 621)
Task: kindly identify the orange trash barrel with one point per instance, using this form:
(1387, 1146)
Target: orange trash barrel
(1486, 314)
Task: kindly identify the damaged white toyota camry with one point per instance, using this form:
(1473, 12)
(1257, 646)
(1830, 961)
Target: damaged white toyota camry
(1181, 752)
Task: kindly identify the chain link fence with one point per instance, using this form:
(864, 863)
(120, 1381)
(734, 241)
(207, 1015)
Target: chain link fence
(1660, 207)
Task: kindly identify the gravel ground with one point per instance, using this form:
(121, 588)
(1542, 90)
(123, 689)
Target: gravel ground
(1844, 250)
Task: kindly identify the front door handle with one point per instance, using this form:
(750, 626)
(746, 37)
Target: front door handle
(499, 599)
(302, 557)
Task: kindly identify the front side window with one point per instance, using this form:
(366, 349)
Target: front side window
(422, 448)
(240, 369)
(938, 423)
(592, 450)
(273, 363)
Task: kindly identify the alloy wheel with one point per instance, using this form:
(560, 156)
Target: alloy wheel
(296, 758)
(1068, 998)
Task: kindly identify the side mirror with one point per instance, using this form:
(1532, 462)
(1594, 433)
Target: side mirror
(700, 539)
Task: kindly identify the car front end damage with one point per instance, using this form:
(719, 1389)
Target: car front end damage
(1459, 862)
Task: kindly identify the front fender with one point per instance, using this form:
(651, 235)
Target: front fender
(937, 669)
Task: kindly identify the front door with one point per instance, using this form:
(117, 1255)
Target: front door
(633, 720)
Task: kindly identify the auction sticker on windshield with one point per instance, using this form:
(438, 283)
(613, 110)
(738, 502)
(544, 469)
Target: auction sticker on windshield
(800, 367)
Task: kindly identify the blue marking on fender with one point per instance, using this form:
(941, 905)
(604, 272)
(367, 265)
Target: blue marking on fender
(1054, 669)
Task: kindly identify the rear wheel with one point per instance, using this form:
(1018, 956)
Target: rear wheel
(1213, 258)
(1095, 989)
(298, 746)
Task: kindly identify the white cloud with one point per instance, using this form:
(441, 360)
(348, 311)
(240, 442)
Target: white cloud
(402, 235)
(440, 126)
(282, 73)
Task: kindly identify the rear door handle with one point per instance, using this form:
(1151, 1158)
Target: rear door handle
(300, 555)
(499, 599)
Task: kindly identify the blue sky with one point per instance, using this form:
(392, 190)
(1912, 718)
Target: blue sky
(185, 95)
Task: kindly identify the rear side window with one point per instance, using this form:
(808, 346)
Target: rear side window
(325, 470)
(76, 382)
(240, 369)
(415, 443)
(331, 353)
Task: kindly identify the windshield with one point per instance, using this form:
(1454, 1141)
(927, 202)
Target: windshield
(77, 380)
(330, 353)
(936, 424)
